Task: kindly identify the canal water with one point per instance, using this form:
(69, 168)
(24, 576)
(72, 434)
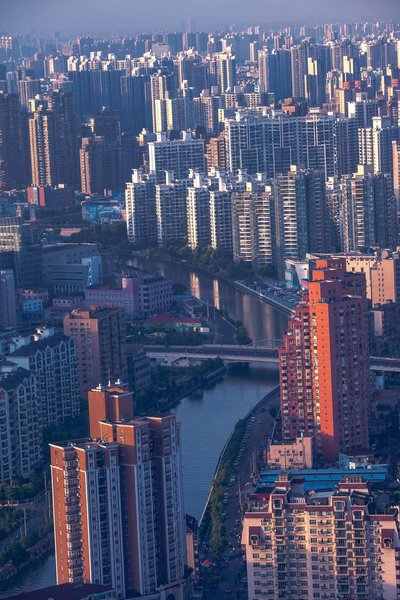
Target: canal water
(263, 321)
(208, 418)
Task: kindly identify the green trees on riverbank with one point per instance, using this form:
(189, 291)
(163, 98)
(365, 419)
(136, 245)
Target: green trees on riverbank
(213, 517)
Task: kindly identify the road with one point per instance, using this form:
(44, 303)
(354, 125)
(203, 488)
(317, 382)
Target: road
(36, 516)
(224, 331)
(233, 571)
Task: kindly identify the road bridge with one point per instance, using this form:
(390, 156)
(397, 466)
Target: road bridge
(243, 354)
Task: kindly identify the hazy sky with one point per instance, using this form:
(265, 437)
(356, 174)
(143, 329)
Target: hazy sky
(132, 15)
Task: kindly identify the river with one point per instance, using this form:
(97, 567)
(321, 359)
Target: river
(207, 419)
(263, 322)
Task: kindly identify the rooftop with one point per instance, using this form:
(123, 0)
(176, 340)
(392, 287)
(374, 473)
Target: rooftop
(322, 479)
(36, 345)
(10, 382)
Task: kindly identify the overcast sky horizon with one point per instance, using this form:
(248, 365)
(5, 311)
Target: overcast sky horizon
(100, 16)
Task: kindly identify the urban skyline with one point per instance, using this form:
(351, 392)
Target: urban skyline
(200, 301)
(149, 17)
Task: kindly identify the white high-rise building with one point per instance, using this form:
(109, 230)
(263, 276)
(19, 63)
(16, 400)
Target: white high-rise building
(198, 213)
(253, 225)
(171, 209)
(178, 156)
(271, 144)
(375, 144)
(140, 201)
(368, 210)
(221, 218)
(290, 216)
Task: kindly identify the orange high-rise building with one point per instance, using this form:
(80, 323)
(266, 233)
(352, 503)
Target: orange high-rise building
(118, 501)
(324, 371)
(99, 334)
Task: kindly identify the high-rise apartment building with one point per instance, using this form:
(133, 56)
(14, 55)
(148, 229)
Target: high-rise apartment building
(253, 220)
(53, 360)
(205, 112)
(43, 140)
(307, 545)
(140, 200)
(100, 164)
(20, 425)
(363, 110)
(382, 275)
(53, 135)
(318, 216)
(299, 57)
(14, 140)
(315, 82)
(291, 220)
(272, 144)
(226, 72)
(163, 85)
(171, 209)
(178, 156)
(368, 209)
(221, 219)
(323, 364)
(346, 146)
(20, 251)
(61, 103)
(216, 153)
(99, 335)
(275, 73)
(8, 302)
(28, 89)
(198, 213)
(375, 144)
(118, 500)
(396, 170)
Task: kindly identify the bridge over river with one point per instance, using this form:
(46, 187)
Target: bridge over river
(243, 354)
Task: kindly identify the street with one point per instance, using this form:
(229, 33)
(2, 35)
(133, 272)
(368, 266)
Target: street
(233, 583)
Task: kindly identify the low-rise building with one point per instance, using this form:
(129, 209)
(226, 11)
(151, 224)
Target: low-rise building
(382, 274)
(44, 196)
(291, 455)
(69, 268)
(140, 296)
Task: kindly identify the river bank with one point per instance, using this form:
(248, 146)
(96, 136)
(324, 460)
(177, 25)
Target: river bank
(225, 468)
(279, 303)
(207, 417)
(261, 319)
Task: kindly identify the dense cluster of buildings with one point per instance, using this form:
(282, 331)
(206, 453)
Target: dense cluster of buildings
(313, 529)
(280, 149)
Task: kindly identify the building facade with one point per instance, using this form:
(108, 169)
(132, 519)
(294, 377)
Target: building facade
(118, 501)
(99, 335)
(53, 359)
(323, 365)
(329, 544)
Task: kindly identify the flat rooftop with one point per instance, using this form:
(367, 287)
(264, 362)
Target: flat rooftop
(320, 479)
